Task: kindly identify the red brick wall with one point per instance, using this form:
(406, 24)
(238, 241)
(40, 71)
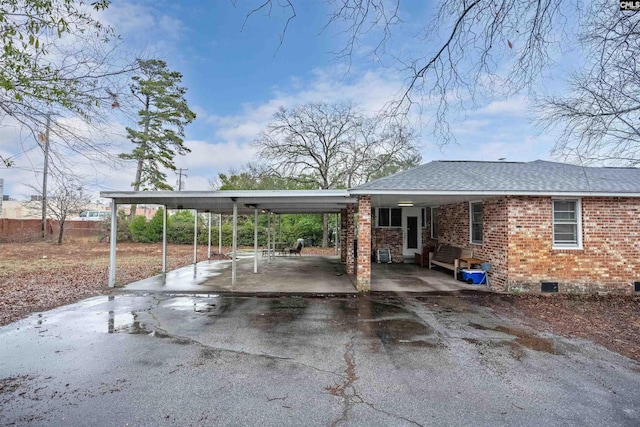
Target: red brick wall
(495, 240)
(609, 260)
(21, 230)
(517, 242)
(453, 223)
(391, 238)
(24, 230)
(80, 228)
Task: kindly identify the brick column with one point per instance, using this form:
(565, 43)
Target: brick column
(363, 276)
(343, 236)
(351, 269)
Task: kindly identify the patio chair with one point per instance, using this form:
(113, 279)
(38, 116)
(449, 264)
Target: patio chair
(296, 250)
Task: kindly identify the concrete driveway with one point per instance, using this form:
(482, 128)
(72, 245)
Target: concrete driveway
(200, 360)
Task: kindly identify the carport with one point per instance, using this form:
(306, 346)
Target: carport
(228, 203)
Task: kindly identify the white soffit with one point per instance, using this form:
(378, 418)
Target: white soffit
(276, 201)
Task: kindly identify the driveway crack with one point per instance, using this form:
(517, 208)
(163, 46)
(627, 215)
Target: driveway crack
(346, 390)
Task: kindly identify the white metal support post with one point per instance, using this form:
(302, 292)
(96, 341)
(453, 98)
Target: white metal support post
(195, 236)
(209, 240)
(336, 234)
(255, 241)
(112, 249)
(268, 236)
(219, 234)
(164, 239)
(234, 244)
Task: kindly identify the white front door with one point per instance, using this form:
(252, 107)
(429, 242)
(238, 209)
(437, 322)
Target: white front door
(411, 231)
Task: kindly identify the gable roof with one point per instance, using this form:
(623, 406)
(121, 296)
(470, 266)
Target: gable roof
(537, 177)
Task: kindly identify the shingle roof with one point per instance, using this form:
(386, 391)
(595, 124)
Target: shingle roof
(536, 177)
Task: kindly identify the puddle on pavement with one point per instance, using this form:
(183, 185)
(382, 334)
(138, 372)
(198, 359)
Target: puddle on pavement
(402, 331)
(385, 320)
(546, 345)
(202, 304)
(280, 310)
(445, 304)
(385, 309)
(123, 323)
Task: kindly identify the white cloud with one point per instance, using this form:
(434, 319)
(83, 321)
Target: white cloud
(371, 92)
(207, 159)
(143, 25)
(508, 107)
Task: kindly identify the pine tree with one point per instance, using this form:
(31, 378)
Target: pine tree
(160, 136)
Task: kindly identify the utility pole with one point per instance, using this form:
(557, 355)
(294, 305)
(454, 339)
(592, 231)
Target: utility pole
(44, 177)
(180, 174)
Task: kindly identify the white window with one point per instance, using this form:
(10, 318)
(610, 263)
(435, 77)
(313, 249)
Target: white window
(567, 228)
(389, 217)
(434, 223)
(476, 221)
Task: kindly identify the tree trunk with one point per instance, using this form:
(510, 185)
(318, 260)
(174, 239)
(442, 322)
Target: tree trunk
(136, 187)
(136, 183)
(325, 230)
(60, 232)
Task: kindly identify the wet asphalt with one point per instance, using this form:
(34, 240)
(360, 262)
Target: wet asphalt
(200, 360)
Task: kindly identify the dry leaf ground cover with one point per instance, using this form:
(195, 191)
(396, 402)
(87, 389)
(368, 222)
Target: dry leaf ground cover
(40, 276)
(612, 321)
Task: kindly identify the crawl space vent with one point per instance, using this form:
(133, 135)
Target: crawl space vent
(549, 286)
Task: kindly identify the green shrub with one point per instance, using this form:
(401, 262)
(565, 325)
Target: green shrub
(153, 231)
(138, 229)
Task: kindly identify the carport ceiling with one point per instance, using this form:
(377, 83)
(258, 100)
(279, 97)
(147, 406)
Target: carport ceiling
(276, 201)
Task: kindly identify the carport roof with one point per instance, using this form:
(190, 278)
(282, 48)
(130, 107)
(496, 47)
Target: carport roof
(276, 201)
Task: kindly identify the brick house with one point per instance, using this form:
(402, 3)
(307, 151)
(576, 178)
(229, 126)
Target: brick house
(535, 222)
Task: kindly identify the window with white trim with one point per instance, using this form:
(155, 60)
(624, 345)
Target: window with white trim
(434, 223)
(476, 222)
(567, 224)
(389, 217)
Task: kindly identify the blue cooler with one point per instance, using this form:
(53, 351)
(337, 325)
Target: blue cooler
(476, 277)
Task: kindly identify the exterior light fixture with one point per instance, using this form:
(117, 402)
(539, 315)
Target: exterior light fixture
(405, 204)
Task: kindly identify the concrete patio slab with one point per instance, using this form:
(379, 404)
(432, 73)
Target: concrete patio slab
(412, 278)
(309, 274)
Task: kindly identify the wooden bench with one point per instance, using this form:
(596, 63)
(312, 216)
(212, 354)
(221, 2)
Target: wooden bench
(448, 257)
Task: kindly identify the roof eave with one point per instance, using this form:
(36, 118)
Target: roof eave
(491, 193)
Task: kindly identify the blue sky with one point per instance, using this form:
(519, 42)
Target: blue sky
(237, 77)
